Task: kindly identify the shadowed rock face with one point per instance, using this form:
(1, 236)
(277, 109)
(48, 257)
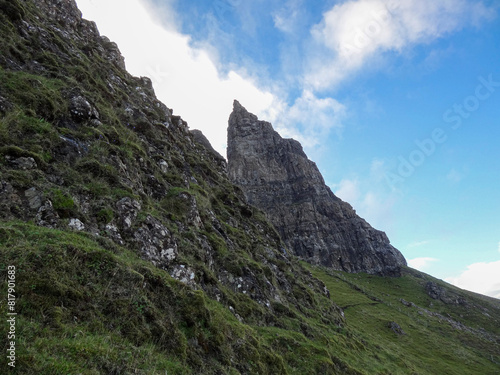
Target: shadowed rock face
(319, 227)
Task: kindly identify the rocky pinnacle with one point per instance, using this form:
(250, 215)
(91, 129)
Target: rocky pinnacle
(317, 226)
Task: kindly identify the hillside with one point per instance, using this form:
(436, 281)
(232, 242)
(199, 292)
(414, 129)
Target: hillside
(135, 254)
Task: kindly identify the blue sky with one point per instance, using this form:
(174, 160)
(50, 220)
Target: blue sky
(398, 102)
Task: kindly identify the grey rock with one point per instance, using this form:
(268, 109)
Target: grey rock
(439, 293)
(81, 110)
(47, 216)
(10, 201)
(5, 105)
(193, 215)
(396, 328)
(277, 177)
(112, 52)
(76, 224)
(146, 85)
(200, 138)
(184, 274)
(113, 233)
(22, 163)
(70, 149)
(34, 198)
(406, 303)
(163, 166)
(156, 243)
(128, 209)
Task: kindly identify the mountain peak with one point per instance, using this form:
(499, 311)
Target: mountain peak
(237, 106)
(278, 178)
(240, 115)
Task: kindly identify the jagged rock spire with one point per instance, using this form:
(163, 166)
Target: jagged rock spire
(277, 177)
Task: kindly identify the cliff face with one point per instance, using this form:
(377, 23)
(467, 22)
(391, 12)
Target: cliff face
(278, 178)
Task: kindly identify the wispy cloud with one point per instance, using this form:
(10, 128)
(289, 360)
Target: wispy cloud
(481, 278)
(454, 176)
(421, 263)
(288, 16)
(309, 119)
(356, 31)
(417, 244)
(368, 195)
(188, 74)
(348, 190)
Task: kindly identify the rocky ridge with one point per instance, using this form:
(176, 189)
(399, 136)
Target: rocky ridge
(317, 226)
(95, 151)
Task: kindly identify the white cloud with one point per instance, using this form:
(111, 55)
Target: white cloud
(185, 78)
(356, 31)
(315, 116)
(188, 78)
(481, 278)
(287, 18)
(417, 244)
(348, 190)
(377, 209)
(421, 263)
(324, 113)
(369, 197)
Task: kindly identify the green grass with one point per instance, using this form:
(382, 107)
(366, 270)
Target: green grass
(85, 307)
(62, 202)
(430, 345)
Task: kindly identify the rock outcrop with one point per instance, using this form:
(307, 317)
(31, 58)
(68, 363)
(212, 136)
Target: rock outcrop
(319, 227)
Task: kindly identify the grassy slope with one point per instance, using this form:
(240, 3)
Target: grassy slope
(88, 306)
(430, 345)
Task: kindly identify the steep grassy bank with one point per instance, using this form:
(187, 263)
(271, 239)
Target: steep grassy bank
(88, 306)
